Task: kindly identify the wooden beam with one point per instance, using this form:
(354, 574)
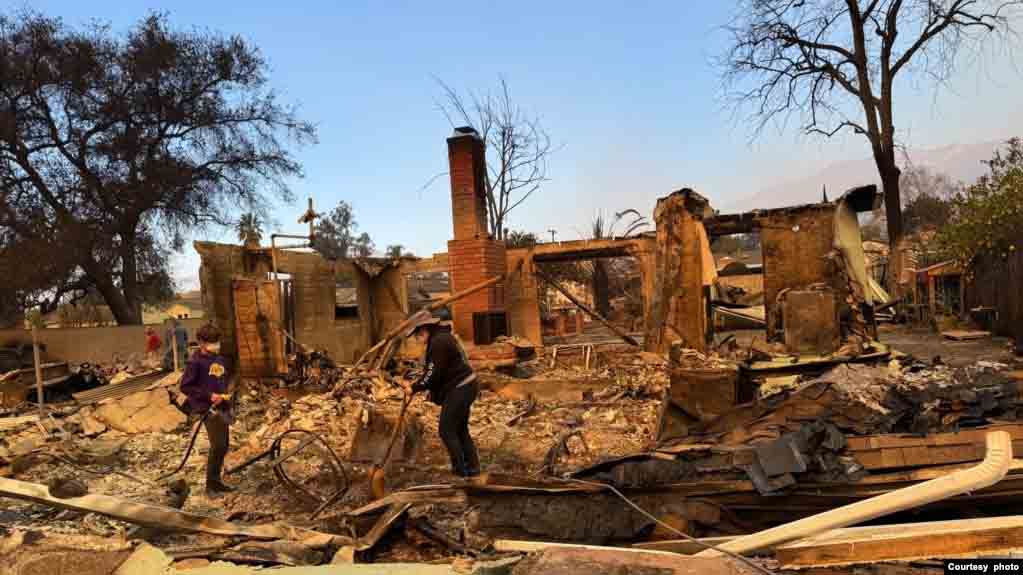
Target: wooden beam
(620, 333)
(382, 526)
(514, 545)
(439, 495)
(944, 539)
(585, 249)
(729, 224)
(157, 516)
(683, 546)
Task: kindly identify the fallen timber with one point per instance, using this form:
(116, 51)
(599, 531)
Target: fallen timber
(163, 517)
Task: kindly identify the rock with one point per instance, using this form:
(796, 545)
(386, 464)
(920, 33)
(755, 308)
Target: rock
(91, 427)
(146, 560)
(177, 493)
(143, 412)
(496, 567)
(193, 563)
(66, 487)
(101, 452)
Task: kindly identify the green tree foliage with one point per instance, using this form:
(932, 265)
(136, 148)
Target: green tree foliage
(398, 251)
(517, 239)
(987, 217)
(603, 227)
(250, 228)
(337, 236)
(114, 148)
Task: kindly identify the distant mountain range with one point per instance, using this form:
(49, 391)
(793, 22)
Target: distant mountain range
(960, 161)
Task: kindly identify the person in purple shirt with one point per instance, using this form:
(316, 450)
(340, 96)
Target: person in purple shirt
(205, 384)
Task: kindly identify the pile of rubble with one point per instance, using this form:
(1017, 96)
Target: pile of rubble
(552, 434)
(120, 440)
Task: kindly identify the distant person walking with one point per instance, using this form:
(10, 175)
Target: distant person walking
(153, 345)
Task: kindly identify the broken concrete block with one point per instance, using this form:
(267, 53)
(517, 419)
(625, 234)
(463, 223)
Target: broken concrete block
(144, 412)
(704, 394)
(91, 427)
(146, 560)
(101, 452)
(810, 320)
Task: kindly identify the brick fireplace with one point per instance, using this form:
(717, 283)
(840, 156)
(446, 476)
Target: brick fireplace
(473, 255)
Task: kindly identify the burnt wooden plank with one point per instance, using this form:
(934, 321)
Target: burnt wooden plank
(969, 537)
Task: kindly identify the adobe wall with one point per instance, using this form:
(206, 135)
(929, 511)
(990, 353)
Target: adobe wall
(99, 345)
(795, 245)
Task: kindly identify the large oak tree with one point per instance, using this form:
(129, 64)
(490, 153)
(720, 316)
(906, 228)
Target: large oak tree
(114, 147)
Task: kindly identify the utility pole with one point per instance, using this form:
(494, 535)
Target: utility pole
(174, 347)
(553, 233)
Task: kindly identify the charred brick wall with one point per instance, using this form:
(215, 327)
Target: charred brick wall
(473, 256)
(473, 262)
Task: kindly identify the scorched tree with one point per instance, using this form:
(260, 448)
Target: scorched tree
(114, 147)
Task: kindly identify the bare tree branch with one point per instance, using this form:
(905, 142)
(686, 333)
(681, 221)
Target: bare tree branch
(518, 147)
(834, 63)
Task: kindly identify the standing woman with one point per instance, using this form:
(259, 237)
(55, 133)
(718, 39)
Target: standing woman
(451, 384)
(205, 384)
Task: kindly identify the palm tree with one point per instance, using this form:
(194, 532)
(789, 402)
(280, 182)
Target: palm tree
(604, 228)
(250, 229)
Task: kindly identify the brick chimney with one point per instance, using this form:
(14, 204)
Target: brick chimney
(467, 164)
(473, 255)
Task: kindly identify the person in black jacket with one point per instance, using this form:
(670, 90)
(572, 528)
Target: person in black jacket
(452, 384)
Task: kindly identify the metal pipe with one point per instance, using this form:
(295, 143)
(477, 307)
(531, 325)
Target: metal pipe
(988, 472)
(38, 364)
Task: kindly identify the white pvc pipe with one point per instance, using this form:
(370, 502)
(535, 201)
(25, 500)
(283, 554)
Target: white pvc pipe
(988, 472)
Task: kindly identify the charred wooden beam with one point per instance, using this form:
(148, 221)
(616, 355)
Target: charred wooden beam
(616, 330)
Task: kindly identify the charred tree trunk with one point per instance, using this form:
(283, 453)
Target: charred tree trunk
(890, 174)
(129, 281)
(120, 308)
(601, 289)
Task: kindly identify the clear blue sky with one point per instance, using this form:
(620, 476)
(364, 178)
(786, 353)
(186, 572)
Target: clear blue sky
(628, 89)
